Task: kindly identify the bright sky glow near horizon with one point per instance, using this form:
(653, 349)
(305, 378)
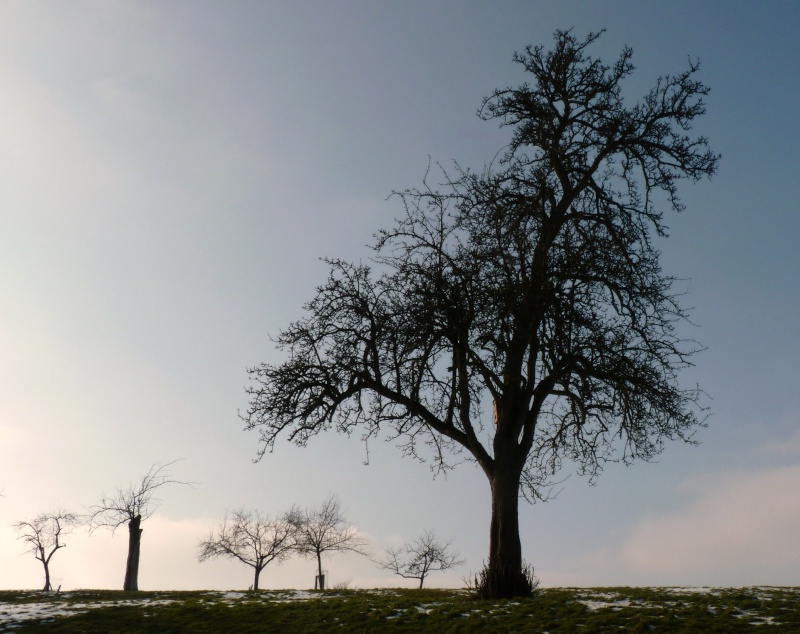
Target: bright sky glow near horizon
(170, 175)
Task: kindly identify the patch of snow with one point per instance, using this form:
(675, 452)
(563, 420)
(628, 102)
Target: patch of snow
(13, 615)
(598, 605)
(608, 596)
(383, 592)
(689, 590)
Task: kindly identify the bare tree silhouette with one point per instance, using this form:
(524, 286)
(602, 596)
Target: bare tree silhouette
(420, 557)
(254, 539)
(533, 287)
(131, 506)
(324, 530)
(44, 536)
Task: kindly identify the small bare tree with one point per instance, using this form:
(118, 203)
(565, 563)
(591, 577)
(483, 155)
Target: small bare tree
(43, 536)
(132, 506)
(254, 539)
(325, 530)
(419, 558)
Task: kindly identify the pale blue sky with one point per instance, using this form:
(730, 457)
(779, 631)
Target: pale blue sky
(170, 173)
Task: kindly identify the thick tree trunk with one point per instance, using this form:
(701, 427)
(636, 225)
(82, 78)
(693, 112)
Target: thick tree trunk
(504, 576)
(132, 567)
(255, 581)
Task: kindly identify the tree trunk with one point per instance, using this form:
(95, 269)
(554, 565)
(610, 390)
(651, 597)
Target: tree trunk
(132, 567)
(255, 581)
(504, 577)
(320, 576)
(47, 587)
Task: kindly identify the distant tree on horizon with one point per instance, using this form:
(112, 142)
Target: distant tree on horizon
(132, 506)
(254, 539)
(531, 290)
(323, 530)
(418, 558)
(44, 536)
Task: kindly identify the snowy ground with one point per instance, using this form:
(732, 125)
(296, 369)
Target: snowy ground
(617, 600)
(11, 614)
(28, 606)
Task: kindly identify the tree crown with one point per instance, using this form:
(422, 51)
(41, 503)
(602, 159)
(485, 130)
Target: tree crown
(137, 500)
(325, 529)
(531, 288)
(252, 538)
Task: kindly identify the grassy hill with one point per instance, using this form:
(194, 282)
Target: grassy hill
(392, 610)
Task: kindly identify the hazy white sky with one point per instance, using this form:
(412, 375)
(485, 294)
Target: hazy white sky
(170, 173)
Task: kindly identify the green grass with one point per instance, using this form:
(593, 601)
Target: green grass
(551, 610)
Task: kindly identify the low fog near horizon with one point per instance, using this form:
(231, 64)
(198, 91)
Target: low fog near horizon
(170, 175)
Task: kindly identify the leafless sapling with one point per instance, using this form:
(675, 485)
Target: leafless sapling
(324, 530)
(418, 558)
(254, 539)
(44, 535)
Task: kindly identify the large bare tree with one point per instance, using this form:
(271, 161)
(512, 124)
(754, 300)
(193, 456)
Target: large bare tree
(131, 506)
(531, 289)
(418, 558)
(44, 535)
(323, 530)
(254, 539)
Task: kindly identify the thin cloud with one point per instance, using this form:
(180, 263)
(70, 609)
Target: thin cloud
(743, 529)
(787, 448)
